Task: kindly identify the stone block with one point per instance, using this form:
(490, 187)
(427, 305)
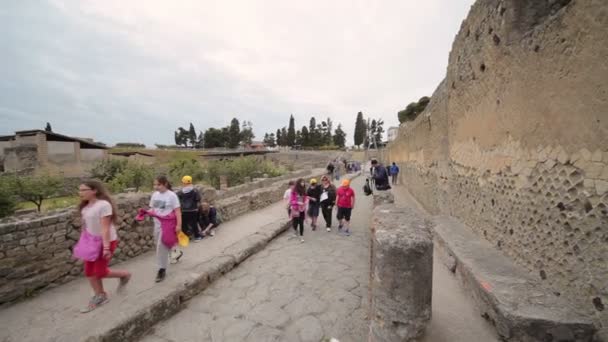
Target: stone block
(383, 197)
(401, 274)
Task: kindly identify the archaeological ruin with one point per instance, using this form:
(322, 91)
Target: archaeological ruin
(514, 143)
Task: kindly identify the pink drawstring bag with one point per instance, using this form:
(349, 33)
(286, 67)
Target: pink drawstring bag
(168, 224)
(88, 247)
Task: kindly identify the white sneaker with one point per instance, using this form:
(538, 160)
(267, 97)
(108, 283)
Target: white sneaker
(301, 240)
(329, 229)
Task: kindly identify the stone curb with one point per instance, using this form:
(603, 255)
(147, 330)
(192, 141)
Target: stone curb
(198, 278)
(517, 305)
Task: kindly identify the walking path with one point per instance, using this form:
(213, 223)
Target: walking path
(55, 316)
(290, 291)
(455, 318)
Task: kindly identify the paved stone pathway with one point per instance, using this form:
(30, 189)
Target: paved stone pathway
(290, 291)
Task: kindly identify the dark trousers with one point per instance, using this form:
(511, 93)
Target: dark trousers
(190, 223)
(326, 210)
(299, 221)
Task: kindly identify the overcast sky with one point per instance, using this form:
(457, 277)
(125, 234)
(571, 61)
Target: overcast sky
(135, 70)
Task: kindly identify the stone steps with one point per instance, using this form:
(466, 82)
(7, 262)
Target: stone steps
(516, 303)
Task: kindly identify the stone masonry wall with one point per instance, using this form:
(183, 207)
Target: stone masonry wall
(36, 252)
(515, 141)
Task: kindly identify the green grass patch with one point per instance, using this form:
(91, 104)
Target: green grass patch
(52, 203)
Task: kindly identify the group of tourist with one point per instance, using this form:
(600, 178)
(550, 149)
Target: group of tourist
(307, 201)
(187, 212)
(184, 212)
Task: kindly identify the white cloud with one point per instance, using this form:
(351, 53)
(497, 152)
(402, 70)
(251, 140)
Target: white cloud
(206, 61)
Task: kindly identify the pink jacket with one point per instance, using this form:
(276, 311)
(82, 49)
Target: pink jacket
(298, 206)
(168, 224)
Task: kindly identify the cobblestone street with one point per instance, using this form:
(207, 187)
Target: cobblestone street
(290, 291)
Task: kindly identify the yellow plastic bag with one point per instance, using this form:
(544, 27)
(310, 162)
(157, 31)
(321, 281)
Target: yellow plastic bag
(183, 239)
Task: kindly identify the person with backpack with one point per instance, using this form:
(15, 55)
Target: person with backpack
(330, 170)
(328, 200)
(394, 171)
(380, 176)
(208, 219)
(189, 199)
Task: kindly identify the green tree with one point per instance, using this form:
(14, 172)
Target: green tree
(181, 137)
(328, 129)
(291, 132)
(192, 135)
(213, 138)
(279, 138)
(284, 137)
(305, 136)
(269, 140)
(360, 130)
(378, 133)
(48, 127)
(234, 133)
(200, 140)
(247, 135)
(339, 137)
(36, 189)
(413, 109)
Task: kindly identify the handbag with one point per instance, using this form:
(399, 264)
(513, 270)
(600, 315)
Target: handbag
(88, 247)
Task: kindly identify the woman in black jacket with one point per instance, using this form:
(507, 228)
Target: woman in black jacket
(327, 200)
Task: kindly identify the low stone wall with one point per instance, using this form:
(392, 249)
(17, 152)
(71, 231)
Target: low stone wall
(401, 277)
(35, 251)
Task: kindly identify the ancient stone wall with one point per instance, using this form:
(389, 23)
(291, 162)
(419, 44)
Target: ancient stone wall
(515, 140)
(35, 252)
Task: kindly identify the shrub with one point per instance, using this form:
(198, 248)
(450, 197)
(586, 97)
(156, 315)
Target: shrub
(8, 202)
(180, 167)
(236, 170)
(129, 145)
(135, 175)
(106, 170)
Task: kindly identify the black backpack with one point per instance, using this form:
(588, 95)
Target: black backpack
(189, 201)
(366, 188)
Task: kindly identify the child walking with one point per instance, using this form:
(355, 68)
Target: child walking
(99, 240)
(163, 202)
(314, 202)
(345, 198)
(328, 200)
(298, 207)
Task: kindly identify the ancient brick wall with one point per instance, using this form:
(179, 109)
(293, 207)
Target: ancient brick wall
(515, 140)
(35, 251)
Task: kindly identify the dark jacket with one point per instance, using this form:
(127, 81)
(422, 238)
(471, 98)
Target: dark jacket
(331, 195)
(189, 201)
(314, 193)
(205, 219)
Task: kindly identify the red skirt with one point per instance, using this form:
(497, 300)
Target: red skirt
(99, 268)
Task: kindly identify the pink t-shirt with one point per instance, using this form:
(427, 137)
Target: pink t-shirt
(345, 196)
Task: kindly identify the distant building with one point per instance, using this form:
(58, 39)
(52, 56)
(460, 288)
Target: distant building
(392, 133)
(35, 149)
(136, 156)
(257, 145)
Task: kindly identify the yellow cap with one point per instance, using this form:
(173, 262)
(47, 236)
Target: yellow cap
(187, 180)
(345, 182)
(313, 181)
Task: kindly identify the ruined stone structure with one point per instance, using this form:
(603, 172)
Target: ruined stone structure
(35, 252)
(401, 276)
(514, 143)
(37, 149)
